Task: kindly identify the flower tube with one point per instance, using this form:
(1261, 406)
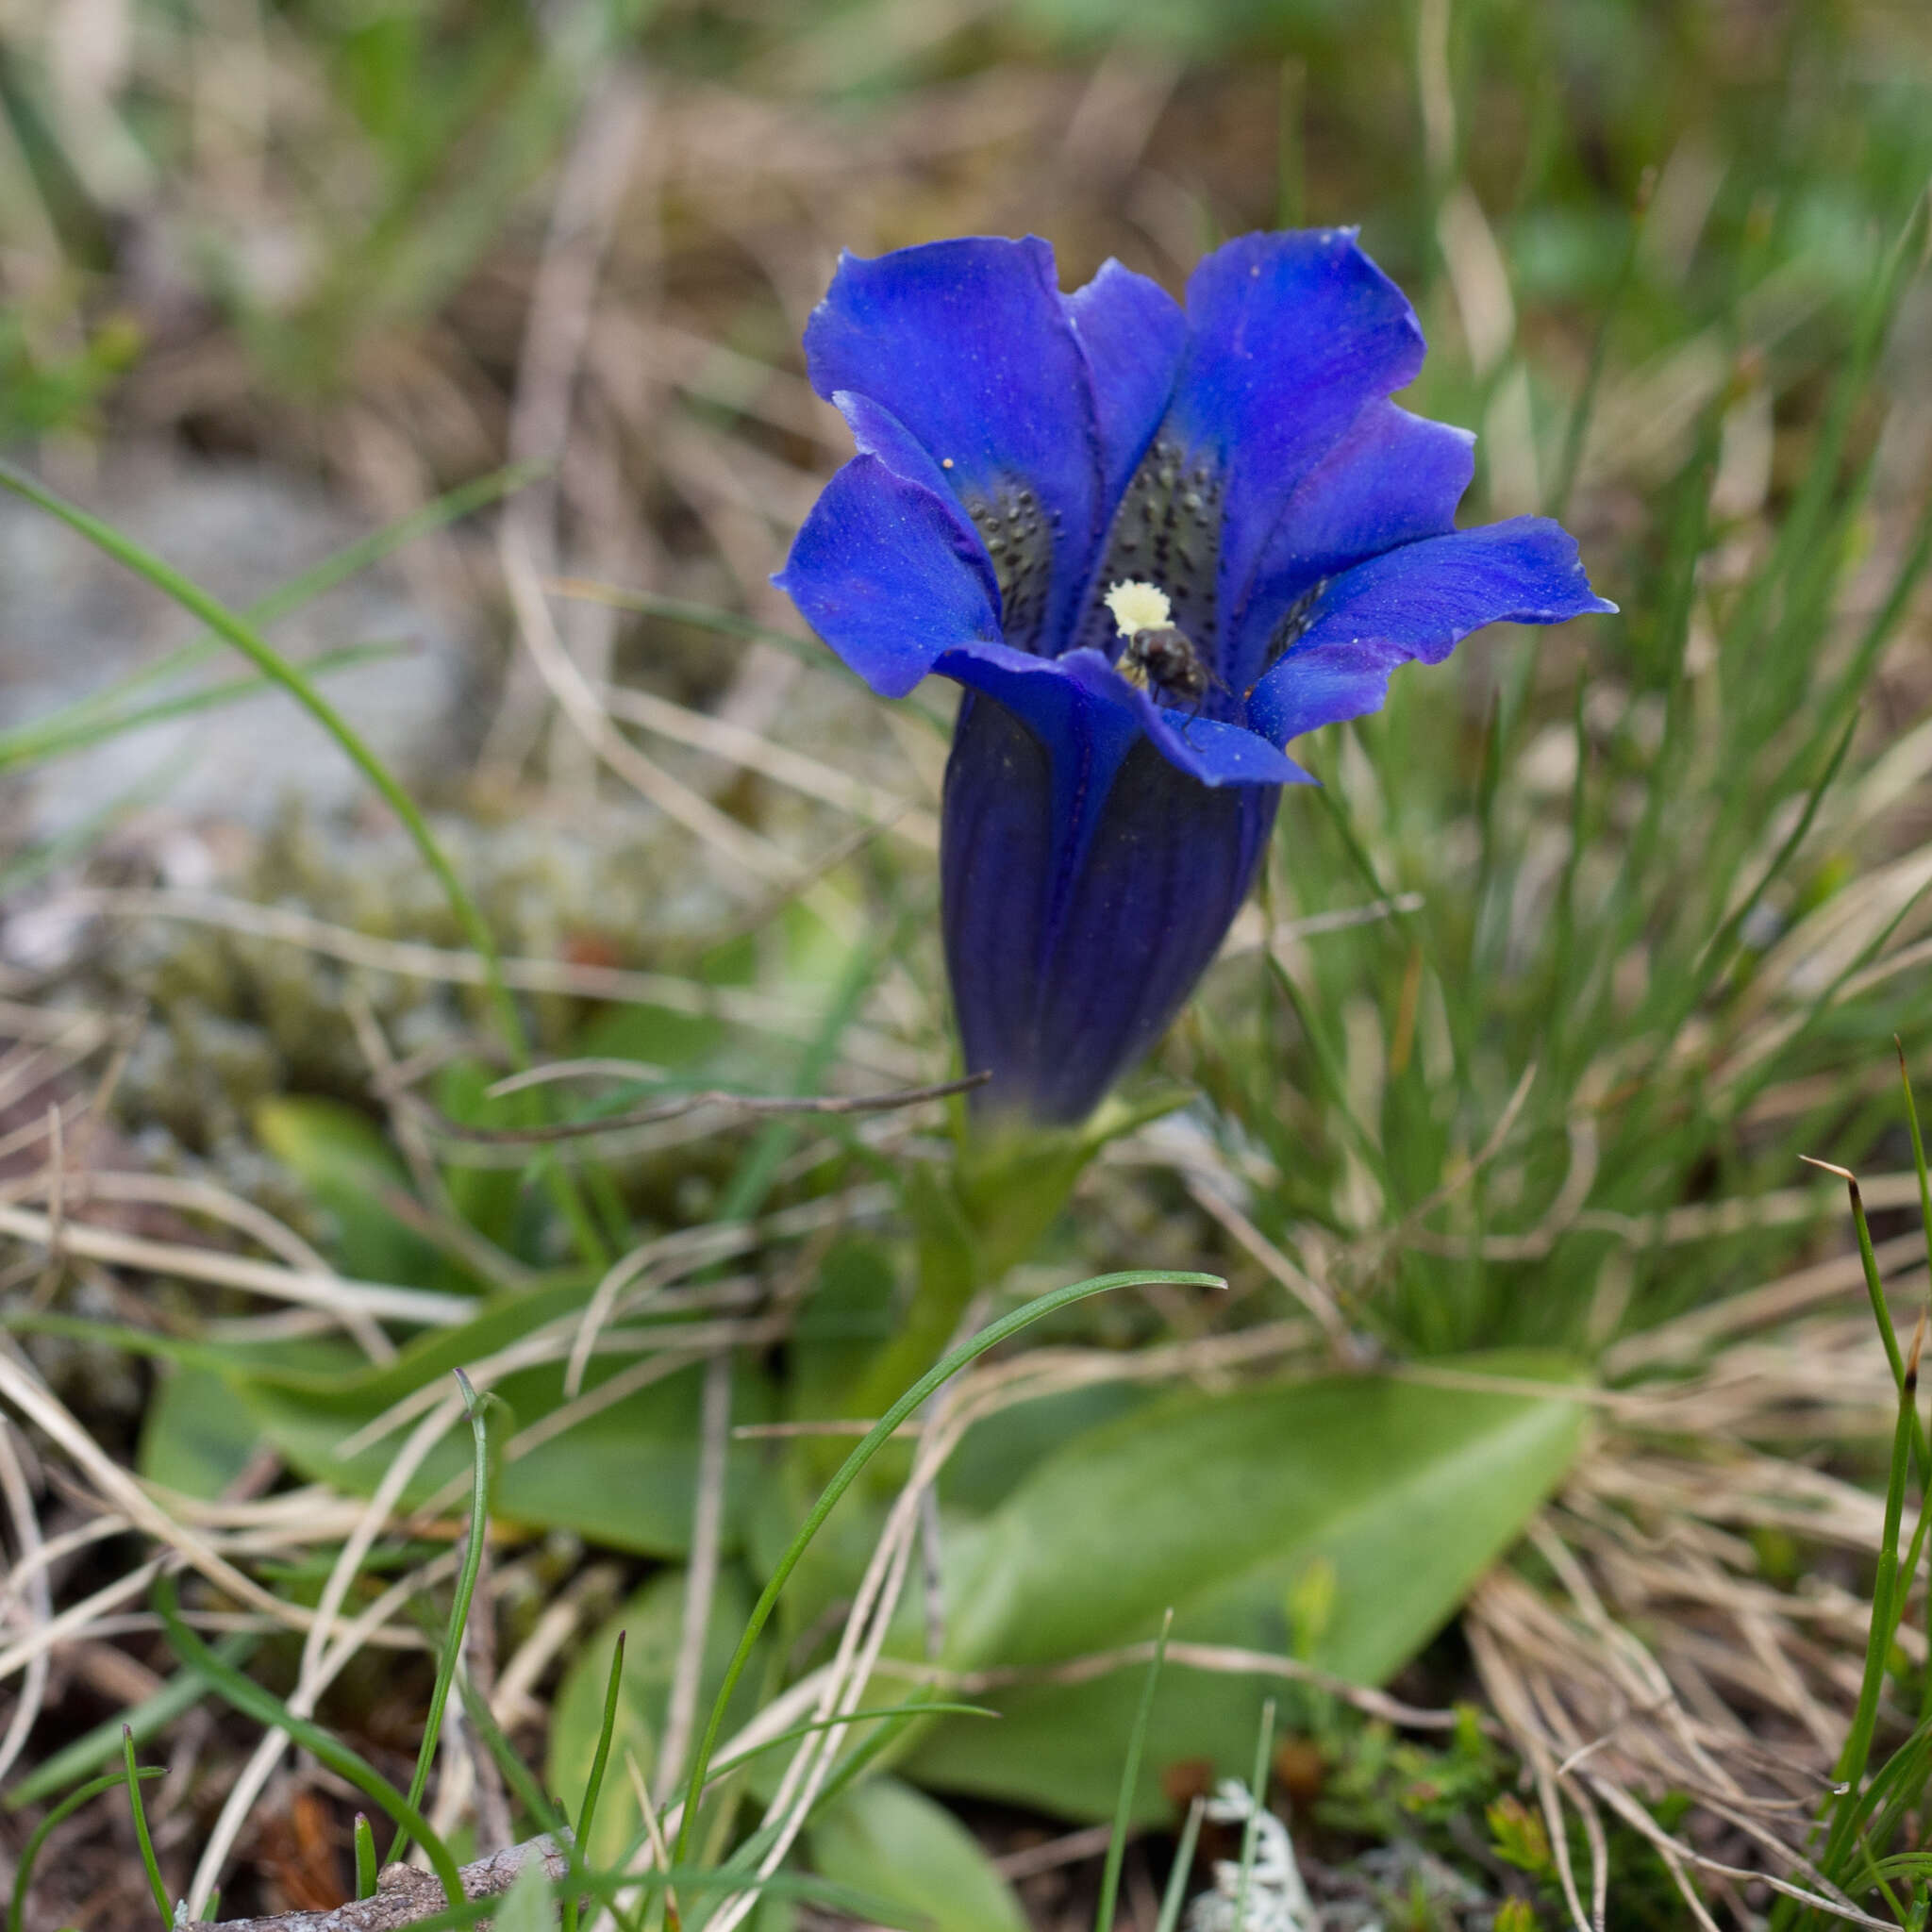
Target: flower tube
(1154, 546)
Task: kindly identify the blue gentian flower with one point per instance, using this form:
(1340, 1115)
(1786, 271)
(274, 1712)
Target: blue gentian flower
(1154, 546)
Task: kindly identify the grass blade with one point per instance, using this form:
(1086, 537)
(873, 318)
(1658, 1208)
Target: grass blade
(277, 669)
(143, 1838)
(181, 1692)
(248, 1697)
(27, 743)
(1850, 1771)
(1130, 1776)
(1724, 943)
(108, 721)
(1917, 1149)
(1576, 430)
(1251, 1831)
(1925, 1225)
(594, 1784)
(1178, 1878)
(365, 1857)
(1881, 1308)
(529, 1794)
(1176, 1896)
(608, 1885)
(459, 1606)
(876, 1439)
(24, 1871)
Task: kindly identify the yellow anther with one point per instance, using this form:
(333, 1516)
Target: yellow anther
(1139, 607)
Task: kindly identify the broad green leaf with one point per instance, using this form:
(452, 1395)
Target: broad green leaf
(329, 1367)
(195, 1437)
(996, 1456)
(624, 1475)
(342, 1159)
(774, 1912)
(1221, 1506)
(829, 1570)
(493, 1200)
(652, 1625)
(886, 1839)
(841, 1325)
(527, 1906)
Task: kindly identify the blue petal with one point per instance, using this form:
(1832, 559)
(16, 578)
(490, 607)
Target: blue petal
(998, 866)
(1070, 951)
(1392, 479)
(1294, 336)
(969, 345)
(877, 432)
(891, 575)
(1080, 698)
(1210, 749)
(1132, 333)
(1089, 731)
(1420, 600)
(1309, 689)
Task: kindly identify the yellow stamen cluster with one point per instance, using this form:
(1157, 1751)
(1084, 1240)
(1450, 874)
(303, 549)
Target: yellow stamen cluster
(1139, 607)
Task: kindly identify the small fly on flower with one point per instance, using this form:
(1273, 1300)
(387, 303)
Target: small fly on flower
(1158, 655)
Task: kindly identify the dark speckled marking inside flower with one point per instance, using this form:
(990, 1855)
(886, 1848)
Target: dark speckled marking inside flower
(1291, 624)
(1167, 532)
(1019, 537)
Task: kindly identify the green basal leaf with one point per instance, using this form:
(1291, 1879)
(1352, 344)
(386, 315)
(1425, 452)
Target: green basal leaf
(996, 1456)
(652, 1623)
(1398, 1495)
(527, 1906)
(885, 1838)
(341, 1158)
(624, 1475)
(195, 1437)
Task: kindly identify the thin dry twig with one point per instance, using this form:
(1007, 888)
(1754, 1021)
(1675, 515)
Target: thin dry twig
(679, 1104)
(591, 187)
(333, 1293)
(28, 1586)
(320, 1663)
(1222, 1660)
(701, 1577)
(753, 752)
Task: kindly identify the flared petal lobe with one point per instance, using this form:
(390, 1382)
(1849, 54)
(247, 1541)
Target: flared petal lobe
(1418, 602)
(1392, 479)
(1073, 938)
(1291, 337)
(1132, 333)
(970, 346)
(1295, 342)
(891, 575)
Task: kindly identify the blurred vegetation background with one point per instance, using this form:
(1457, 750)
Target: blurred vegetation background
(1644, 896)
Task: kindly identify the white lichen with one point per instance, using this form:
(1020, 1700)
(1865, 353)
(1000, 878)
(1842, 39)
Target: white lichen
(1277, 1900)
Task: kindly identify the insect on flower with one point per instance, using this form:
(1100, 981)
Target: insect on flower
(1154, 544)
(1157, 655)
